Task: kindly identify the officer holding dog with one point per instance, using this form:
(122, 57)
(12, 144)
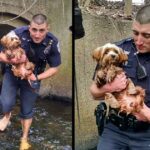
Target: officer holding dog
(41, 48)
(122, 131)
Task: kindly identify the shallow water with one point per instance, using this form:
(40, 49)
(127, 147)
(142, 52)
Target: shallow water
(51, 128)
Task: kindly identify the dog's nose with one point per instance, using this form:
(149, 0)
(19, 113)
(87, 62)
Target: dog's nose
(113, 56)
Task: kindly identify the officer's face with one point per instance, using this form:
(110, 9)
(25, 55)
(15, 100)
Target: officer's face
(38, 32)
(141, 36)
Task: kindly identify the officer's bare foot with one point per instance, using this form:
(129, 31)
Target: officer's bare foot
(5, 121)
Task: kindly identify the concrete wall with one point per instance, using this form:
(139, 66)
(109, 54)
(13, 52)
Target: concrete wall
(98, 31)
(14, 13)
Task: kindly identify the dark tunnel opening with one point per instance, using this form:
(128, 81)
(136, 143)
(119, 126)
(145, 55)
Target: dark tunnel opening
(4, 29)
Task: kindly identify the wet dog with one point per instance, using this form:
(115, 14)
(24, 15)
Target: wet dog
(110, 58)
(12, 49)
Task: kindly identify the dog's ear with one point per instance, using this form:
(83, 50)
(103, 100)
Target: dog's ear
(3, 40)
(141, 91)
(97, 53)
(123, 56)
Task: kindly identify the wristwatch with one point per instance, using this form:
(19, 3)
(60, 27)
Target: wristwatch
(35, 84)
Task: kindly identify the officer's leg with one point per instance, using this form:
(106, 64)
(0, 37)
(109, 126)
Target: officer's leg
(8, 98)
(28, 98)
(140, 141)
(111, 140)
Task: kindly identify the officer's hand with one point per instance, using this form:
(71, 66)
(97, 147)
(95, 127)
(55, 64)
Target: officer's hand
(34, 83)
(32, 77)
(15, 60)
(118, 84)
(143, 114)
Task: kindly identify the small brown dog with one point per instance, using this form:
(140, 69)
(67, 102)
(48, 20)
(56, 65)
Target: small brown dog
(109, 58)
(12, 49)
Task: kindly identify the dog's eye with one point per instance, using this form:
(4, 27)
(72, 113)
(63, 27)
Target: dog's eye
(106, 51)
(116, 51)
(14, 38)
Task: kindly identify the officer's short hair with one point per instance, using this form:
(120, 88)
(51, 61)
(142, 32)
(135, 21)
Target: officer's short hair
(39, 19)
(143, 15)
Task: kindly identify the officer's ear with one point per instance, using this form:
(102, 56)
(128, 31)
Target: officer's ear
(29, 27)
(48, 28)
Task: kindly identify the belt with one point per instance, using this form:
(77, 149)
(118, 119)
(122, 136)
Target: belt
(127, 122)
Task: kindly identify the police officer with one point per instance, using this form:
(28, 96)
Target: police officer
(41, 48)
(119, 130)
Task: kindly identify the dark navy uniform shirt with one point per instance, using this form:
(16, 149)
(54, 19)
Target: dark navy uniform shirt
(131, 66)
(52, 53)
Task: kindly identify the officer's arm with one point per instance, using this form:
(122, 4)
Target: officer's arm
(143, 114)
(98, 93)
(46, 74)
(4, 59)
(118, 84)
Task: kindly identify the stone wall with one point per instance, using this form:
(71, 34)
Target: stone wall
(15, 13)
(98, 31)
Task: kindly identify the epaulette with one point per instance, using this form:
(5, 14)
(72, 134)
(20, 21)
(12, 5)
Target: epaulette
(123, 41)
(51, 36)
(19, 30)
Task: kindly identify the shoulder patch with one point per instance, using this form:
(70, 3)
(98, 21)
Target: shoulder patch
(58, 47)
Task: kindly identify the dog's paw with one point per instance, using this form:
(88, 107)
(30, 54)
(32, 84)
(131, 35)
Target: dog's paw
(100, 82)
(100, 78)
(110, 76)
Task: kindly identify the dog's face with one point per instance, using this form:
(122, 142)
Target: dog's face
(109, 54)
(14, 53)
(10, 42)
